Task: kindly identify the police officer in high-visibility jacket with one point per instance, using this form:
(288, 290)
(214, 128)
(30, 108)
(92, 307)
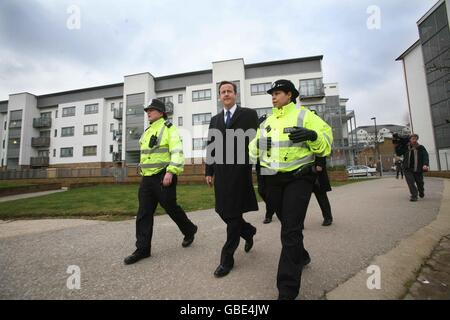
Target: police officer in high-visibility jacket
(161, 162)
(286, 145)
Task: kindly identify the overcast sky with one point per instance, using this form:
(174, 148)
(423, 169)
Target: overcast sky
(40, 54)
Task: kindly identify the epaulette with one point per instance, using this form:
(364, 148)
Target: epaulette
(168, 123)
(262, 118)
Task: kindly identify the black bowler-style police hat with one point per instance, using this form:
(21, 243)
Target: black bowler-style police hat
(157, 105)
(286, 86)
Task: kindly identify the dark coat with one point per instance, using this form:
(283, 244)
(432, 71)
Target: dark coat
(233, 185)
(323, 181)
(422, 157)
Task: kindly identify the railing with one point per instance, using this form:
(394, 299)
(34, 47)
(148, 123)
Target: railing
(39, 161)
(118, 114)
(42, 123)
(312, 92)
(40, 142)
(117, 135)
(117, 156)
(117, 173)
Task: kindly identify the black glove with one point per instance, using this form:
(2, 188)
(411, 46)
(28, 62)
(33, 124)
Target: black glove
(302, 134)
(265, 143)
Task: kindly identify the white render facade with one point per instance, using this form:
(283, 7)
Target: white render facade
(427, 75)
(97, 127)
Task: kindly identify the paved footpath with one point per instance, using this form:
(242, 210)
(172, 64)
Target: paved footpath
(372, 218)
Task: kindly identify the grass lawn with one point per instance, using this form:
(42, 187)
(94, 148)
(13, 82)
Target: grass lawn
(12, 184)
(107, 202)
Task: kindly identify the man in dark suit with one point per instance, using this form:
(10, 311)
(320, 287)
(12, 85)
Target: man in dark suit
(229, 169)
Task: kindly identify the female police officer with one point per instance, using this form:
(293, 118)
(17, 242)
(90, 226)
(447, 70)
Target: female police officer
(286, 145)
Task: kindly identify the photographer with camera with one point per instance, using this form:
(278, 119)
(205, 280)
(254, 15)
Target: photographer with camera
(415, 162)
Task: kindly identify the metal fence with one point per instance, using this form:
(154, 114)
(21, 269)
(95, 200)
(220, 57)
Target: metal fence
(119, 174)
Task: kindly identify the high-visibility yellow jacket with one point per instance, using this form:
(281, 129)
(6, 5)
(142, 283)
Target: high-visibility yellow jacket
(284, 155)
(167, 152)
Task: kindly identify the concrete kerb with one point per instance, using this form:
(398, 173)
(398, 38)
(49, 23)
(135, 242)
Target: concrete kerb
(399, 266)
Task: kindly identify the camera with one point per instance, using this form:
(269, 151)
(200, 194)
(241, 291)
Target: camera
(400, 139)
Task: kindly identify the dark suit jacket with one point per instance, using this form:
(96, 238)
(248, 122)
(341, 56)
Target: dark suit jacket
(233, 186)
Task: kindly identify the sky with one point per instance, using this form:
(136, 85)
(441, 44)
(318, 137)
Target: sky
(45, 48)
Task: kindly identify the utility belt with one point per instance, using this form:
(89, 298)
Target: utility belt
(307, 172)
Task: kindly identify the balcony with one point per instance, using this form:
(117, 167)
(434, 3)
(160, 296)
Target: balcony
(39, 161)
(118, 114)
(39, 123)
(40, 142)
(169, 107)
(315, 92)
(117, 135)
(117, 156)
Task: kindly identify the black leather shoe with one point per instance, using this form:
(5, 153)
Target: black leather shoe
(221, 271)
(413, 199)
(188, 240)
(135, 257)
(248, 245)
(422, 195)
(307, 261)
(267, 220)
(327, 222)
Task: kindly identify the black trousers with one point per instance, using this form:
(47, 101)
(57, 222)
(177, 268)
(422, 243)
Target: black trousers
(152, 192)
(413, 179)
(323, 201)
(236, 228)
(399, 171)
(270, 211)
(294, 196)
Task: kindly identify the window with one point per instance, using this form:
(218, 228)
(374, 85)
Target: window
(180, 121)
(46, 115)
(121, 105)
(14, 143)
(260, 88)
(3, 143)
(263, 111)
(90, 151)
(54, 153)
(56, 133)
(199, 144)
(111, 148)
(45, 133)
(111, 127)
(67, 132)
(166, 99)
(201, 95)
(91, 108)
(112, 106)
(43, 153)
(311, 87)
(201, 118)
(4, 127)
(180, 98)
(15, 124)
(68, 112)
(66, 152)
(120, 127)
(56, 113)
(90, 129)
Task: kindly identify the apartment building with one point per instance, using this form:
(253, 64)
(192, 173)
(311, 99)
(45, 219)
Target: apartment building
(101, 126)
(427, 78)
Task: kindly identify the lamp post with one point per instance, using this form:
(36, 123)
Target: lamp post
(376, 146)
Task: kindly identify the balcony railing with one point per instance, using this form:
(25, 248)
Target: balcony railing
(117, 135)
(42, 123)
(39, 161)
(117, 156)
(312, 92)
(40, 142)
(118, 114)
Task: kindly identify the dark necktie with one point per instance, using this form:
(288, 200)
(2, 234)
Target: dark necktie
(227, 122)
